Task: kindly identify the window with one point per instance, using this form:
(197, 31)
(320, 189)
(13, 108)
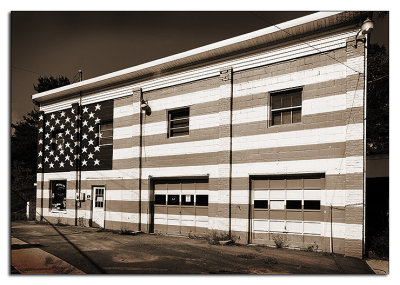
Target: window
(277, 204)
(286, 107)
(99, 197)
(178, 122)
(187, 200)
(293, 204)
(57, 140)
(312, 205)
(160, 199)
(260, 204)
(173, 199)
(106, 134)
(201, 200)
(58, 197)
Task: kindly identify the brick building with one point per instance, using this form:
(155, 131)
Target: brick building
(259, 136)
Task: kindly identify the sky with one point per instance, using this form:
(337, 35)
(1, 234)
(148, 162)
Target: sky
(61, 43)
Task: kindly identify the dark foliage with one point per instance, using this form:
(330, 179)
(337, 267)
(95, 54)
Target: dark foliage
(48, 83)
(24, 150)
(378, 100)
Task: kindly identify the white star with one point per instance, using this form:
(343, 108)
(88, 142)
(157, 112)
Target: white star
(71, 150)
(52, 116)
(85, 109)
(40, 141)
(47, 123)
(96, 135)
(91, 129)
(84, 162)
(57, 121)
(84, 149)
(96, 162)
(72, 124)
(47, 135)
(39, 165)
(60, 135)
(52, 128)
(91, 115)
(62, 114)
(67, 157)
(67, 144)
(76, 156)
(77, 117)
(62, 126)
(76, 130)
(59, 146)
(51, 153)
(51, 165)
(91, 142)
(40, 153)
(61, 164)
(97, 107)
(76, 143)
(84, 137)
(72, 137)
(96, 148)
(46, 159)
(40, 130)
(97, 120)
(46, 147)
(61, 151)
(72, 111)
(40, 117)
(67, 131)
(71, 163)
(90, 155)
(84, 123)
(56, 158)
(67, 119)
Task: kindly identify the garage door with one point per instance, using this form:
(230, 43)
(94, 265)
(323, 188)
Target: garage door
(180, 206)
(286, 206)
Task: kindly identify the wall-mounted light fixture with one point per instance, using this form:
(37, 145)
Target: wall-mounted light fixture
(144, 105)
(366, 29)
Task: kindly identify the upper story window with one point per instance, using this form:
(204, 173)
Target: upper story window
(106, 133)
(286, 107)
(178, 122)
(57, 140)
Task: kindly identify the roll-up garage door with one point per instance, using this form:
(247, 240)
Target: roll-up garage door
(289, 207)
(180, 206)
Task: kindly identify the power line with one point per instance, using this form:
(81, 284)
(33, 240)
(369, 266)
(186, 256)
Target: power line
(300, 40)
(24, 69)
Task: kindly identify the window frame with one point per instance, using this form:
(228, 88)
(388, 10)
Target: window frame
(168, 112)
(99, 132)
(52, 185)
(282, 110)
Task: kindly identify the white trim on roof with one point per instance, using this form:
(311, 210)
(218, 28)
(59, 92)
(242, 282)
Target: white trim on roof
(128, 72)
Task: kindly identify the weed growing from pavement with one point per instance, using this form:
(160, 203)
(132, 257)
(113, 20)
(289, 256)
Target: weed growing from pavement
(279, 241)
(214, 237)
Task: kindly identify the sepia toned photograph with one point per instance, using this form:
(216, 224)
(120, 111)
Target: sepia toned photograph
(199, 142)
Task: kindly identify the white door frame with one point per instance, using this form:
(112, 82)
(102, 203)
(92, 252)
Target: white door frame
(98, 213)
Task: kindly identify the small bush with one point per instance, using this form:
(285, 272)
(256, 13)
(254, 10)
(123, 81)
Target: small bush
(313, 247)
(270, 261)
(214, 237)
(279, 241)
(379, 246)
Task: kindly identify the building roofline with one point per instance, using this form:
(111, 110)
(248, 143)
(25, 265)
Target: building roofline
(208, 51)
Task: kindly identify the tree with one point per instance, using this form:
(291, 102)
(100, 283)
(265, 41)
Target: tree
(48, 83)
(23, 149)
(378, 100)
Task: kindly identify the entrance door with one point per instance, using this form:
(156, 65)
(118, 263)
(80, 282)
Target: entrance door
(98, 206)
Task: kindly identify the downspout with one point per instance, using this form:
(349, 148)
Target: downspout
(230, 151)
(42, 172)
(140, 157)
(365, 139)
(77, 201)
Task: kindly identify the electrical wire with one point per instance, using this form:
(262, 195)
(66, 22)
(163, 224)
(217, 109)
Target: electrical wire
(302, 41)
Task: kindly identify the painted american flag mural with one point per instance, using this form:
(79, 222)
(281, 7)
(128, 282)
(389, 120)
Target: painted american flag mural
(77, 136)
